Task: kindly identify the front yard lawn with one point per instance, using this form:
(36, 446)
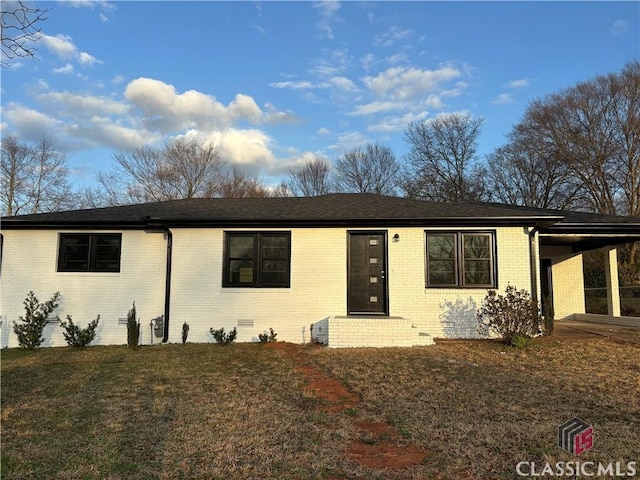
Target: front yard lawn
(248, 411)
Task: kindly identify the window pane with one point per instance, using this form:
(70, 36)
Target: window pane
(241, 271)
(274, 247)
(441, 246)
(75, 253)
(241, 247)
(477, 272)
(477, 246)
(442, 272)
(107, 253)
(441, 251)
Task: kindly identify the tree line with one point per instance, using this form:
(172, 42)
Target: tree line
(575, 149)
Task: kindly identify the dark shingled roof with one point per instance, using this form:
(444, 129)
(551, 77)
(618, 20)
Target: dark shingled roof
(326, 210)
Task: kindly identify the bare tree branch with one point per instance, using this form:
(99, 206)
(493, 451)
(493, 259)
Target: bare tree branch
(20, 30)
(369, 169)
(442, 162)
(35, 178)
(312, 179)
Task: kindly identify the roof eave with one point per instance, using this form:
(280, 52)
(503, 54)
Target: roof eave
(147, 222)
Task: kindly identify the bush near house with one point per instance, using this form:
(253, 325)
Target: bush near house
(223, 338)
(133, 328)
(76, 336)
(511, 316)
(29, 331)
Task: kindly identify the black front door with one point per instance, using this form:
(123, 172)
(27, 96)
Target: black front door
(367, 273)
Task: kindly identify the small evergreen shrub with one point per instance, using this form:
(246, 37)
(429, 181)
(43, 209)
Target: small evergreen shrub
(509, 315)
(185, 332)
(222, 338)
(76, 336)
(133, 328)
(520, 341)
(268, 337)
(29, 331)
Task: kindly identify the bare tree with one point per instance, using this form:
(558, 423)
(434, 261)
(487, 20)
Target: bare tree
(20, 29)
(35, 178)
(239, 184)
(369, 169)
(592, 130)
(525, 172)
(442, 162)
(184, 168)
(312, 179)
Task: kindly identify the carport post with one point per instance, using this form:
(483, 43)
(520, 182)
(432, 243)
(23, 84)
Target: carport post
(613, 286)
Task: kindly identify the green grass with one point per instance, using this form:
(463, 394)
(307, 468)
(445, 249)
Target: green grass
(206, 412)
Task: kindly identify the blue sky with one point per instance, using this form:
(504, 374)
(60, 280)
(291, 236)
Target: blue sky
(274, 82)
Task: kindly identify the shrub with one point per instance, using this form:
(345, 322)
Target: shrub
(185, 332)
(514, 313)
(133, 328)
(29, 332)
(520, 341)
(224, 338)
(268, 337)
(76, 336)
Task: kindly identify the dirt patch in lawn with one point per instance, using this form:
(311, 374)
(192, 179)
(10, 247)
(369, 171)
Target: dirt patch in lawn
(378, 446)
(334, 396)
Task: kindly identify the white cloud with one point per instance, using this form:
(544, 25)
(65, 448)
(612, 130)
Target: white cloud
(167, 110)
(67, 69)
(391, 36)
(396, 124)
(619, 28)
(103, 132)
(250, 148)
(65, 49)
(408, 83)
(377, 107)
(328, 11)
(258, 28)
(299, 85)
(503, 98)
(89, 4)
(83, 105)
(85, 59)
(117, 80)
(60, 44)
(323, 131)
(103, 17)
(349, 140)
(343, 83)
(397, 58)
(273, 116)
(29, 123)
(368, 61)
(521, 83)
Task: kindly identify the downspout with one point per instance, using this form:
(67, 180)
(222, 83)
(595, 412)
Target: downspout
(167, 286)
(533, 263)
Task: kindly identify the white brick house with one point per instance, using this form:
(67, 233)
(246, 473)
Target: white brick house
(363, 270)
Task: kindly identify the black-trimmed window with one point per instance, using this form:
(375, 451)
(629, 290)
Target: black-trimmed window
(257, 259)
(461, 259)
(89, 252)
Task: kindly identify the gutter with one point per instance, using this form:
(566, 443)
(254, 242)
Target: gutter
(167, 286)
(533, 263)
